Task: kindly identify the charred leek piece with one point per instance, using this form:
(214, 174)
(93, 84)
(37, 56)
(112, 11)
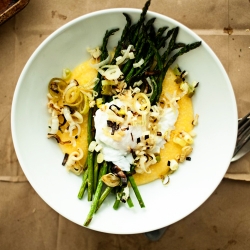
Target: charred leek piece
(56, 87)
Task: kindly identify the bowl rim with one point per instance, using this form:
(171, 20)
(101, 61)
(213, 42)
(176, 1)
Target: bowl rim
(79, 19)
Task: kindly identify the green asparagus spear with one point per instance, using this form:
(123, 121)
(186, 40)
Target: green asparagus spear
(123, 37)
(141, 21)
(94, 204)
(84, 184)
(90, 175)
(104, 195)
(130, 202)
(95, 173)
(171, 44)
(90, 126)
(104, 55)
(116, 204)
(182, 51)
(136, 190)
(90, 154)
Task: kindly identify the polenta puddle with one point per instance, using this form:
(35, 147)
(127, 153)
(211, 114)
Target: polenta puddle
(178, 138)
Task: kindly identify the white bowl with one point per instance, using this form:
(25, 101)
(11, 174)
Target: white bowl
(41, 159)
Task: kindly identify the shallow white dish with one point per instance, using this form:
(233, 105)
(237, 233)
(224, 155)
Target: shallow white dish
(41, 158)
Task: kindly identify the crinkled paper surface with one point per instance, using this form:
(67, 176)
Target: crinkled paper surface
(27, 222)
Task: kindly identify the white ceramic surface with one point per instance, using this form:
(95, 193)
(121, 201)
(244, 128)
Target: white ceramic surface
(41, 158)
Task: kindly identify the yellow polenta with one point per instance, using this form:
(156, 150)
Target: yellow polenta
(84, 73)
(171, 149)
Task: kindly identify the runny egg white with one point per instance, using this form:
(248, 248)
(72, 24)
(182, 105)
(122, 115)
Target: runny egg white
(119, 151)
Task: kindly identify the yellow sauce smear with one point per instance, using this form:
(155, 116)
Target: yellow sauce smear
(171, 149)
(85, 73)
